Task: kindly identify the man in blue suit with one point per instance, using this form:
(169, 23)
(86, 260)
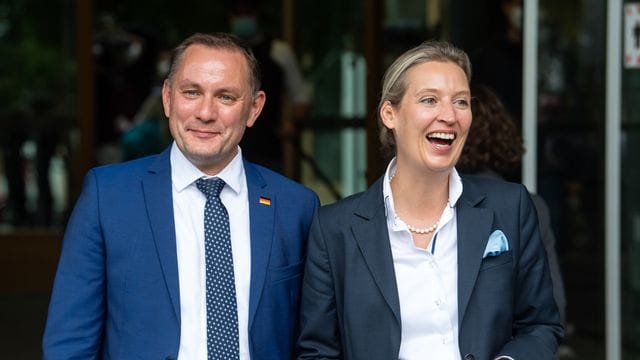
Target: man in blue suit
(132, 282)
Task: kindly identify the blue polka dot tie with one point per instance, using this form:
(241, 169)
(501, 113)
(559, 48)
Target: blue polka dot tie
(222, 315)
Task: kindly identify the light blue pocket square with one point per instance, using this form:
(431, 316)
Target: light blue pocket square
(496, 245)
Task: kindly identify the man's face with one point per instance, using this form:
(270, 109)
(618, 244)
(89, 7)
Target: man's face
(209, 103)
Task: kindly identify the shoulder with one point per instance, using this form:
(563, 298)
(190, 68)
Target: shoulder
(132, 169)
(276, 181)
(540, 204)
(488, 185)
(343, 206)
(119, 183)
(365, 204)
(494, 193)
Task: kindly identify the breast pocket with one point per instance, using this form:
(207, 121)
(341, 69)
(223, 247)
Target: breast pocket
(493, 261)
(496, 280)
(283, 273)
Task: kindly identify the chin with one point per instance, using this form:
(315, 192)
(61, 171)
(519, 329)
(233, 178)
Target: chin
(203, 148)
(440, 167)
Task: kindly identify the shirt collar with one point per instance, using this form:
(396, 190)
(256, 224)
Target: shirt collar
(184, 173)
(455, 189)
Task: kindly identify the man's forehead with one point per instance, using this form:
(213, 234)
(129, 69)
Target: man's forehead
(213, 50)
(199, 51)
(201, 64)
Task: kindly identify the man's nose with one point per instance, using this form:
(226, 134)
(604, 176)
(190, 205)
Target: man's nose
(207, 109)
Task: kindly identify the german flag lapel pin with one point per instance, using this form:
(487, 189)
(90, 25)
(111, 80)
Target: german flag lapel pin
(265, 201)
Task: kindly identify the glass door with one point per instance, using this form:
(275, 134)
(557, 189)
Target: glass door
(571, 159)
(567, 144)
(629, 180)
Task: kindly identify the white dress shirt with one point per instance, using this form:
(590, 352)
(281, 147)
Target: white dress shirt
(427, 280)
(188, 208)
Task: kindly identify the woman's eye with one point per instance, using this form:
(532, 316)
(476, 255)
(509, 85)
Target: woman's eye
(462, 103)
(428, 101)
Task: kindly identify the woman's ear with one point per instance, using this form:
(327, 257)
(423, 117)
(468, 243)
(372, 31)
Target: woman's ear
(387, 114)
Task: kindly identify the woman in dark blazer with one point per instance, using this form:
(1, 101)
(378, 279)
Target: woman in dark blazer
(426, 264)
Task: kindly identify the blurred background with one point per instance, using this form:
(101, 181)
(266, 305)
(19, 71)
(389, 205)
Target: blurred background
(79, 87)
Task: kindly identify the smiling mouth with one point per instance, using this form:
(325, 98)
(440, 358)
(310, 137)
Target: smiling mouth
(198, 132)
(441, 138)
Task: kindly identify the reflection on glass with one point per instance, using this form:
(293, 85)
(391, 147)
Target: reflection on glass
(571, 158)
(37, 91)
(334, 140)
(630, 201)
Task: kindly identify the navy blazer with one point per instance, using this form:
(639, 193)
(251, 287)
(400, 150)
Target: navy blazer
(116, 293)
(350, 305)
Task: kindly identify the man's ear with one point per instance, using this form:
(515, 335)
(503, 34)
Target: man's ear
(388, 115)
(166, 98)
(256, 107)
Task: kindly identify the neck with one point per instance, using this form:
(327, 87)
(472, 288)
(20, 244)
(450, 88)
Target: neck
(422, 197)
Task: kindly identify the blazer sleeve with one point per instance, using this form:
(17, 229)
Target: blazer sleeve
(549, 241)
(536, 322)
(75, 320)
(320, 335)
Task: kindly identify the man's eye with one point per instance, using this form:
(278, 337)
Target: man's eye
(227, 99)
(190, 93)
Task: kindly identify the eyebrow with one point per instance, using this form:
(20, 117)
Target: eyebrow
(431, 90)
(464, 92)
(186, 83)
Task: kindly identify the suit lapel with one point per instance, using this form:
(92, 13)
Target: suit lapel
(369, 228)
(159, 200)
(261, 219)
(474, 225)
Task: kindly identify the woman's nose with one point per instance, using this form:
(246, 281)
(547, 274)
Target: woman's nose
(447, 113)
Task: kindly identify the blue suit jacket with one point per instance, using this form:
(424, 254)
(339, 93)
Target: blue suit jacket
(116, 293)
(350, 305)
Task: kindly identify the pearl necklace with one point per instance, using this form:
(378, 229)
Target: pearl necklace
(419, 230)
(413, 229)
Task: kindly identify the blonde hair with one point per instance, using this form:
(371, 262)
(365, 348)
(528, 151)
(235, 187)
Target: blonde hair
(394, 85)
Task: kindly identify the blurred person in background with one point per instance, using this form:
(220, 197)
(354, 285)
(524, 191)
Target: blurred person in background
(125, 66)
(281, 77)
(495, 149)
(498, 63)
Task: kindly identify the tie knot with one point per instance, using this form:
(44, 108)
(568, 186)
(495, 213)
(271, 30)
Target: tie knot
(210, 187)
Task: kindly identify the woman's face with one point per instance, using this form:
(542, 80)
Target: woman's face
(432, 121)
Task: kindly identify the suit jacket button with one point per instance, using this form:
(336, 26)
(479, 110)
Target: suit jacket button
(469, 357)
